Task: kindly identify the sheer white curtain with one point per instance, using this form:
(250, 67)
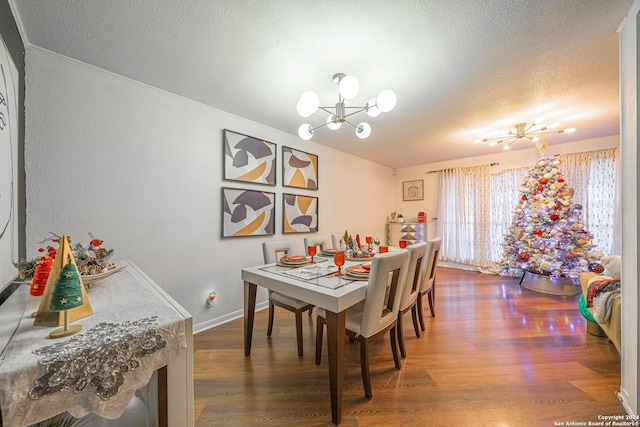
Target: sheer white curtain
(505, 191)
(463, 213)
(476, 208)
(595, 179)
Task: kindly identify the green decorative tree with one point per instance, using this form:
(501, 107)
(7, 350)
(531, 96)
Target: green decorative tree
(68, 291)
(547, 235)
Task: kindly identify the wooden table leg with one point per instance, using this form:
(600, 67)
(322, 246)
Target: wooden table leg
(250, 291)
(335, 346)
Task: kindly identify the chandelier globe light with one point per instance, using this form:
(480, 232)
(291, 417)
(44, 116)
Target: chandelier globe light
(524, 130)
(348, 88)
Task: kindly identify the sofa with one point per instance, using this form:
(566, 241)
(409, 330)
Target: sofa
(613, 326)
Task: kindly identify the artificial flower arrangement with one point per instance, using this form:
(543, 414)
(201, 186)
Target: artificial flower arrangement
(91, 259)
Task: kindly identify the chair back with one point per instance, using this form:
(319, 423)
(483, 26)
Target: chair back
(321, 242)
(273, 250)
(429, 275)
(382, 301)
(415, 271)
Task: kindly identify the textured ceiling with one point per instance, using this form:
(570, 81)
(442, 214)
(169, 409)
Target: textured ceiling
(460, 68)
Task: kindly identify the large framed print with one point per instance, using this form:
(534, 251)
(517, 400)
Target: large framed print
(247, 213)
(299, 214)
(299, 169)
(249, 159)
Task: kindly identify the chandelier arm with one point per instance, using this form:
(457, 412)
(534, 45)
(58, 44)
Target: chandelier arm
(318, 127)
(355, 112)
(349, 123)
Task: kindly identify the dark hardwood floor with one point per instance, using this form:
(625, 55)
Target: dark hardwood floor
(494, 355)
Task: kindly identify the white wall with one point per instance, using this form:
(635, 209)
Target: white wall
(505, 160)
(142, 170)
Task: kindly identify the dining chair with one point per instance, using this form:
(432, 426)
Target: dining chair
(335, 240)
(372, 317)
(410, 290)
(428, 285)
(272, 250)
(322, 242)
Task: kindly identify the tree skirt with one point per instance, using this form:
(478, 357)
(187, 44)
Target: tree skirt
(563, 286)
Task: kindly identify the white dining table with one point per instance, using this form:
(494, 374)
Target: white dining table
(307, 283)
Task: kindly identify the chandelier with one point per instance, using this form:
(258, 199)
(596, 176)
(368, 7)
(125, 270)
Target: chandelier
(523, 130)
(348, 87)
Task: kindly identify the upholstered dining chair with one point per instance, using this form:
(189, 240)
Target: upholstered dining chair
(428, 286)
(335, 240)
(376, 314)
(322, 242)
(272, 250)
(410, 290)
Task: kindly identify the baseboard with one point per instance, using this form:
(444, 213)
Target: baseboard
(201, 327)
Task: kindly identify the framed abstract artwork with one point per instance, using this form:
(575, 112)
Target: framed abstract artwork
(247, 213)
(299, 169)
(299, 214)
(413, 190)
(248, 159)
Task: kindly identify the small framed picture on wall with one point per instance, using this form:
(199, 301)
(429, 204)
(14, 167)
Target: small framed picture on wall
(413, 190)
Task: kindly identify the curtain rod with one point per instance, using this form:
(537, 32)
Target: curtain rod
(440, 170)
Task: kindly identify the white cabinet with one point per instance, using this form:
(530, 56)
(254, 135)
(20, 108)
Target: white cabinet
(412, 232)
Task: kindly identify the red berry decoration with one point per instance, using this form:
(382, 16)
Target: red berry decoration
(540, 188)
(537, 232)
(524, 197)
(596, 268)
(524, 256)
(561, 180)
(554, 217)
(556, 207)
(543, 180)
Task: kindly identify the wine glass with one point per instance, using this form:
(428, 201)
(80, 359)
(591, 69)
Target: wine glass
(338, 259)
(312, 252)
(369, 239)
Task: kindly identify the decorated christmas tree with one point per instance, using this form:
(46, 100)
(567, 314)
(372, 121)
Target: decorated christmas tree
(547, 235)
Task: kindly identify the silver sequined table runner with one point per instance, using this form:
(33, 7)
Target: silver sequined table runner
(133, 332)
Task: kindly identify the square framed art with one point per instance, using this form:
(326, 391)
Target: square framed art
(299, 214)
(299, 169)
(247, 213)
(413, 190)
(248, 159)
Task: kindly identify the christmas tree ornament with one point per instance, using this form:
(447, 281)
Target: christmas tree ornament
(47, 317)
(66, 295)
(40, 276)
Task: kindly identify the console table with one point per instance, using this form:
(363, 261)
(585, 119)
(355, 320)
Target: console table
(136, 330)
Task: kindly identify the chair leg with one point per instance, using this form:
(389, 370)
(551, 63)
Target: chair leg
(299, 332)
(364, 367)
(270, 323)
(432, 300)
(394, 347)
(403, 353)
(416, 322)
(319, 332)
(420, 315)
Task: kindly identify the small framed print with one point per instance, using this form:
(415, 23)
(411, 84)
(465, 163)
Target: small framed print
(248, 213)
(248, 159)
(299, 214)
(299, 169)
(413, 190)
